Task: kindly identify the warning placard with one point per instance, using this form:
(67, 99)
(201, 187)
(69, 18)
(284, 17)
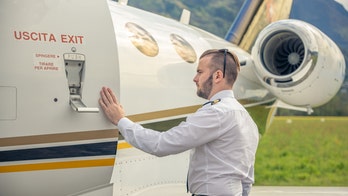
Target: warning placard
(46, 62)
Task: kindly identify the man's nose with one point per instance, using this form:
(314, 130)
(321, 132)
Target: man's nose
(195, 78)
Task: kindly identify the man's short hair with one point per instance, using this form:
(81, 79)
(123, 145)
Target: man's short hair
(221, 57)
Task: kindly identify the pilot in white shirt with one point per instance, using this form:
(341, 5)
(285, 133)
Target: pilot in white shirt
(222, 136)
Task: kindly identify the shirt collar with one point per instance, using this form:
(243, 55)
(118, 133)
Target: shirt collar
(222, 94)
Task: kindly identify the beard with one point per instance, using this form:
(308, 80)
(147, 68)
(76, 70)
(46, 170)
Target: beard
(205, 91)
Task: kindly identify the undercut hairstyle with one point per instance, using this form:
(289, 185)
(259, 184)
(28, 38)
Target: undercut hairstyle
(232, 66)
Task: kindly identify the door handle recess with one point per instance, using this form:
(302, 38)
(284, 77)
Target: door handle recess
(74, 69)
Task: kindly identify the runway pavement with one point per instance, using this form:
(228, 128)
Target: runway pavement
(178, 190)
(298, 191)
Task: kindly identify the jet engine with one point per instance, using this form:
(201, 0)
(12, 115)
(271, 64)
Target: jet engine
(298, 63)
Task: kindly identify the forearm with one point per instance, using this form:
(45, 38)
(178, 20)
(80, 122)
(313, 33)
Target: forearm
(139, 137)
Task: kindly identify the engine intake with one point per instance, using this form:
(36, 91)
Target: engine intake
(298, 63)
(283, 53)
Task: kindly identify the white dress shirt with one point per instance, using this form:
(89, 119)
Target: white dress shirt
(223, 138)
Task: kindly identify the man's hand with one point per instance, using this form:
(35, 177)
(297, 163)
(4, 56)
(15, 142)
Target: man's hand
(111, 107)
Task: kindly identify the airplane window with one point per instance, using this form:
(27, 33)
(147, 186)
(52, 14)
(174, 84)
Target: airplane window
(183, 48)
(142, 39)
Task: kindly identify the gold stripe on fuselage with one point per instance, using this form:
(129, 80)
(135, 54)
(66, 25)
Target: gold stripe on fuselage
(57, 165)
(164, 113)
(58, 137)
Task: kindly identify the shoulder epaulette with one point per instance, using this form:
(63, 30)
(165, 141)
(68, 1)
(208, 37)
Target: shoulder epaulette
(212, 102)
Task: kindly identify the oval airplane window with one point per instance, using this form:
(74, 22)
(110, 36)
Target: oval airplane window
(142, 39)
(183, 48)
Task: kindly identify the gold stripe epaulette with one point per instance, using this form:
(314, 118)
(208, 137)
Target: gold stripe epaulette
(212, 102)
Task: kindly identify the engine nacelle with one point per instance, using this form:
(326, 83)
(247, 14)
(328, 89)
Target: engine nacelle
(298, 63)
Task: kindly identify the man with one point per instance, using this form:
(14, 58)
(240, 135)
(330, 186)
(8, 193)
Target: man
(221, 134)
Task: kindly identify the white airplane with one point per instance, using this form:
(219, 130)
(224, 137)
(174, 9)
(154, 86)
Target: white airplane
(55, 57)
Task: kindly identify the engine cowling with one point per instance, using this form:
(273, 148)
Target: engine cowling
(298, 63)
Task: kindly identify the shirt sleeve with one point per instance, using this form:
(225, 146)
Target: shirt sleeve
(198, 129)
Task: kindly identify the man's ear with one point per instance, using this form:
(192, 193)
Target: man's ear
(218, 76)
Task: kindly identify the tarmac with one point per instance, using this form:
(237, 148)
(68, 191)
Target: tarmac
(298, 191)
(177, 190)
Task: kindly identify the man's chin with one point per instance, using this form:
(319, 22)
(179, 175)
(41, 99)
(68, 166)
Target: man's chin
(201, 95)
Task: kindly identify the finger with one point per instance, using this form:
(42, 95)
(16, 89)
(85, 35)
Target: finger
(104, 99)
(108, 96)
(101, 103)
(113, 96)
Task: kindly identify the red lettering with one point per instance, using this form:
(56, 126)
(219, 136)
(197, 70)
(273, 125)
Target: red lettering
(47, 37)
(74, 39)
(26, 35)
(80, 39)
(34, 36)
(52, 38)
(17, 35)
(63, 38)
(38, 67)
(46, 55)
(71, 39)
(46, 63)
(51, 68)
(44, 36)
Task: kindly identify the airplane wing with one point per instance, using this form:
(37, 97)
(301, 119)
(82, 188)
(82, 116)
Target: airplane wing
(253, 17)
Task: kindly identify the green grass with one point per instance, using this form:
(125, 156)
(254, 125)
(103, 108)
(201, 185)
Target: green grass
(298, 151)
(304, 151)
